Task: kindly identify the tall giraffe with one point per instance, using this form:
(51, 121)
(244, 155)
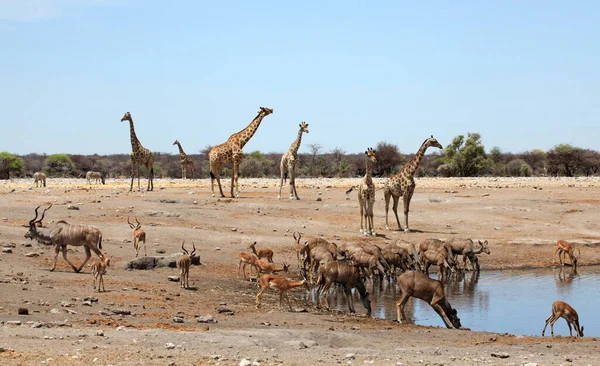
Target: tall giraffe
(403, 184)
(185, 161)
(231, 152)
(289, 161)
(366, 196)
(139, 156)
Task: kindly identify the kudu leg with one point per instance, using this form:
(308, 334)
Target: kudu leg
(438, 309)
(56, 250)
(400, 307)
(88, 255)
(64, 254)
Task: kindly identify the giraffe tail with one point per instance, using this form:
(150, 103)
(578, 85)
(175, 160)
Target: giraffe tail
(285, 177)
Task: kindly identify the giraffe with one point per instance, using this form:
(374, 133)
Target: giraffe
(366, 195)
(289, 161)
(231, 152)
(403, 184)
(185, 161)
(139, 156)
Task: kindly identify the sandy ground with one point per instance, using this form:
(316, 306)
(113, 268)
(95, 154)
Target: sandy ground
(521, 219)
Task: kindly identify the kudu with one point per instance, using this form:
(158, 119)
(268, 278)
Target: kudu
(184, 262)
(561, 309)
(467, 249)
(64, 234)
(139, 236)
(418, 285)
(346, 274)
(564, 248)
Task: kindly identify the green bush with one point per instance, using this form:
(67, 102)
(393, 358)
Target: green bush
(60, 165)
(9, 163)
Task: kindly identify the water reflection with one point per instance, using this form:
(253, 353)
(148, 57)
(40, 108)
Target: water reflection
(516, 302)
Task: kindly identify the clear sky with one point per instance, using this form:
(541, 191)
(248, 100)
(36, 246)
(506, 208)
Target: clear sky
(523, 74)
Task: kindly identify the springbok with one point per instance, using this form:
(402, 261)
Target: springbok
(139, 236)
(262, 253)
(39, 178)
(99, 266)
(247, 259)
(64, 234)
(564, 248)
(97, 176)
(561, 309)
(419, 285)
(280, 283)
(184, 262)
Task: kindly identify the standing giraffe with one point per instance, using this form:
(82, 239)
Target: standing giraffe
(403, 184)
(231, 152)
(289, 161)
(366, 196)
(185, 161)
(139, 156)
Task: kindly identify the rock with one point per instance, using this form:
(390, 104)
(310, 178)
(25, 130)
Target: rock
(245, 362)
(2, 349)
(90, 299)
(6, 250)
(143, 263)
(72, 207)
(160, 251)
(121, 312)
(13, 322)
(178, 319)
(319, 199)
(121, 328)
(234, 229)
(500, 354)
(351, 356)
(65, 304)
(169, 346)
(225, 310)
(32, 254)
(87, 303)
(168, 201)
(173, 278)
(23, 311)
(206, 319)
(100, 333)
(54, 311)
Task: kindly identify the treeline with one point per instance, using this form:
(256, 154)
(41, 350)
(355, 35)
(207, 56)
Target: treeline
(465, 156)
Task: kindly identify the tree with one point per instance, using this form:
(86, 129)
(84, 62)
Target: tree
(388, 158)
(255, 165)
(60, 165)
(9, 163)
(316, 163)
(564, 159)
(518, 168)
(467, 158)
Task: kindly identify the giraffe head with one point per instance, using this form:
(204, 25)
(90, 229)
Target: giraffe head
(126, 117)
(304, 127)
(176, 142)
(433, 142)
(371, 155)
(265, 111)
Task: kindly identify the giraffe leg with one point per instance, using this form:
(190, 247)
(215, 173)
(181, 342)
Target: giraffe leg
(370, 213)
(292, 170)
(360, 203)
(150, 176)
(215, 174)
(182, 171)
(282, 169)
(132, 176)
(387, 195)
(407, 197)
(234, 179)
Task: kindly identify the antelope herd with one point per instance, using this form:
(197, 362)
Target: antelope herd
(321, 264)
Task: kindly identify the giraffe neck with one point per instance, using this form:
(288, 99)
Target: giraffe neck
(181, 153)
(135, 143)
(411, 167)
(368, 169)
(296, 144)
(246, 134)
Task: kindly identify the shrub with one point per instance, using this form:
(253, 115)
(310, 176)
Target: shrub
(9, 163)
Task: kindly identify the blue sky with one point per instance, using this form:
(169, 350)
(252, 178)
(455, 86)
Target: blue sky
(523, 74)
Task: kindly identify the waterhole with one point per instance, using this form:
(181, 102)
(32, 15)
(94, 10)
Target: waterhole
(510, 301)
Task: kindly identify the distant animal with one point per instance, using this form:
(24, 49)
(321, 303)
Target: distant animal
(184, 262)
(289, 161)
(97, 176)
(39, 178)
(282, 284)
(419, 285)
(139, 236)
(561, 309)
(99, 266)
(64, 234)
(564, 248)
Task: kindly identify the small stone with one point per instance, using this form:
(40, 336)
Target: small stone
(23, 311)
(7, 250)
(173, 278)
(245, 362)
(121, 312)
(2, 349)
(32, 254)
(319, 199)
(351, 356)
(87, 303)
(206, 319)
(65, 304)
(72, 207)
(500, 354)
(13, 322)
(100, 333)
(218, 248)
(569, 359)
(234, 229)
(178, 319)
(121, 328)
(54, 311)
(169, 346)
(160, 251)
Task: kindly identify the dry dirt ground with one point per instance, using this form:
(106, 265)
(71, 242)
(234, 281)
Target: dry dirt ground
(521, 218)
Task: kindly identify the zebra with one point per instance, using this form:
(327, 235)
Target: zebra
(39, 178)
(94, 175)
